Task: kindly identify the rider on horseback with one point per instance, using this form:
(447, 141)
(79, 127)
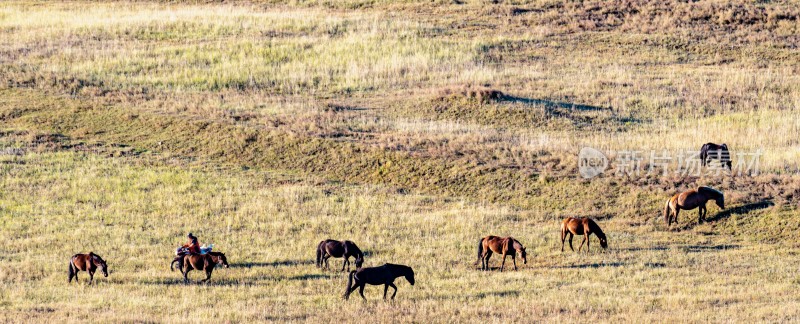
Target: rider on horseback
(193, 246)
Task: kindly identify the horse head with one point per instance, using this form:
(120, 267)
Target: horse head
(603, 240)
(410, 275)
(523, 255)
(221, 259)
(359, 261)
(720, 202)
(100, 263)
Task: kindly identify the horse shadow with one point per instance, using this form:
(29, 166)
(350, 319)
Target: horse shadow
(505, 293)
(273, 264)
(593, 265)
(637, 249)
(701, 248)
(310, 276)
(744, 209)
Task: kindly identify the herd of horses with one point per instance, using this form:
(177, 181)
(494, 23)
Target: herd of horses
(388, 273)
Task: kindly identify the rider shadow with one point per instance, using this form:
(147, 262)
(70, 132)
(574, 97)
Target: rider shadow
(744, 209)
(274, 264)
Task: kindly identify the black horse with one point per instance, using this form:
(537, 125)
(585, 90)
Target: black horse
(338, 249)
(711, 151)
(383, 275)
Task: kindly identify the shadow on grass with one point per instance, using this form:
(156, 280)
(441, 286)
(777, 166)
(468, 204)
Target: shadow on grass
(652, 248)
(739, 210)
(702, 248)
(592, 265)
(310, 276)
(506, 293)
(552, 104)
(284, 263)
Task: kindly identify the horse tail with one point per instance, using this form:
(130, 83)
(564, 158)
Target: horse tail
(480, 250)
(319, 254)
(349, 284)
(667, 210)
(71, 270)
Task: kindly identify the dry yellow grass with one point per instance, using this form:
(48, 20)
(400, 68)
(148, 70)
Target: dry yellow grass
(265, 128)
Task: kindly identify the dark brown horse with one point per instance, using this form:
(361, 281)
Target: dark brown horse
(711, 151)
(502, 245)
(383, 275)
(205, 262)
(581, 226)
(692, 199)
(89, 262)
(338, 249)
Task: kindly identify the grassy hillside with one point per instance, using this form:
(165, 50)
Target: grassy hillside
(411, 128)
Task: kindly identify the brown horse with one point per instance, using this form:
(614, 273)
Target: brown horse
(503, 245)
(692, 199)
(581, 226)
(711, 151)
(383, 275)
(205, 262)
(338, 249)
(89, 262)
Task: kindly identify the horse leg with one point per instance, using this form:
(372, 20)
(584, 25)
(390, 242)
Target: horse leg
(327, 265)
(705, 212)
(391, 284)
(186, 275)
(486, 257)
(514, 258)
(570, 242)
(584, 241)
(385, 289)
(677, 211)
(361, 290)
(91, 276)
(208, 276)
(563, 237)
(503, 264)
(346, 262)
(588, 240)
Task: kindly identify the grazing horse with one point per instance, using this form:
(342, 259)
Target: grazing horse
(383, 275)
(86, 262)
(205, 262)
(581, 226)
(692, 199)
(338, 249)
(503, 245)
(711, 151)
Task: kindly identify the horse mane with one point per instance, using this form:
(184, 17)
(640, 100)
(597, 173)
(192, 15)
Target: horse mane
(713, 191)
(350, 245)
(596, 228)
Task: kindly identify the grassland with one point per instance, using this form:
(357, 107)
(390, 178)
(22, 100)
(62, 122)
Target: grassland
(265, 127)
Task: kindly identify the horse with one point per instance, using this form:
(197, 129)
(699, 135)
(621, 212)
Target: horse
(89, 262)
(338, 249)
(503, 245)
(205, 262)
(581, 226)
(692, 199)
(383, 275)
(719, 152)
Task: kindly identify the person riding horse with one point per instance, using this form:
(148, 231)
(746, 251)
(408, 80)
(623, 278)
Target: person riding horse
(190, 248)
(193, 246)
